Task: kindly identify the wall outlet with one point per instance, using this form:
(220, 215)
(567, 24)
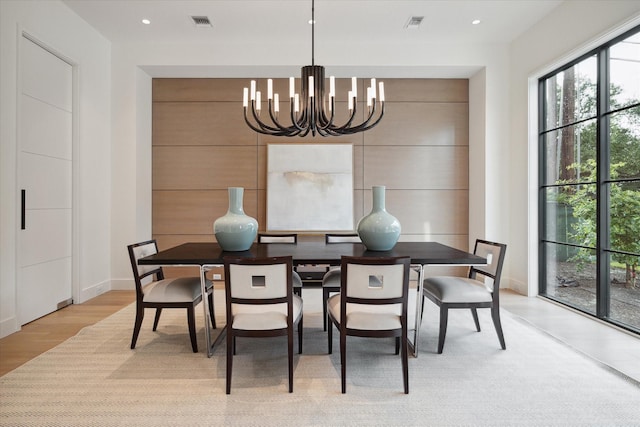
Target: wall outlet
(217, 277)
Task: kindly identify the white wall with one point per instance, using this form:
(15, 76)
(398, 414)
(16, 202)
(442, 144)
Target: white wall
(54, 25)
(572, 29)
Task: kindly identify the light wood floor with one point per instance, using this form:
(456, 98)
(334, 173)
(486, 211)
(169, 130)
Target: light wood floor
(47, 332)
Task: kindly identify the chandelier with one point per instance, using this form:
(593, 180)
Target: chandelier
(311, 110)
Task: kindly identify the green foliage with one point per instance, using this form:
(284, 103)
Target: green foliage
(624, 218)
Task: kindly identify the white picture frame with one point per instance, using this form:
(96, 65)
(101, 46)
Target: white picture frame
(310, 187)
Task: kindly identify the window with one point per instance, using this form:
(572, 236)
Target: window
(589, 193)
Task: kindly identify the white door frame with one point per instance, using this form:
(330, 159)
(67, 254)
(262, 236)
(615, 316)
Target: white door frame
(75, 265)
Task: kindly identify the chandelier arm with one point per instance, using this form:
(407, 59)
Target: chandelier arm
(299, 120)
(287, 129)
(259, 122)
(347, 125)
(260, 130)
(365, 125)
(326, 123)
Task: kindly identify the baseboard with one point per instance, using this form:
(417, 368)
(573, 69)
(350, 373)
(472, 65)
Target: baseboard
(9, 326)
(123, 285)
(516, 286)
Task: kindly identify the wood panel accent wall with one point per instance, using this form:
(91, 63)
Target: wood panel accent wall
(420, 151)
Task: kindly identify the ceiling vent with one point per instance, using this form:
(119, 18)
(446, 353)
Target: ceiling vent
(414, 22)
(201, 21)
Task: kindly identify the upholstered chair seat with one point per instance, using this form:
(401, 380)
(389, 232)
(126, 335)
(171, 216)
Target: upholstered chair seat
(255, 317)
(180, 289)
(458, 289)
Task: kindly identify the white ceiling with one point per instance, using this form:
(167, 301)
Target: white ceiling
(337, 21)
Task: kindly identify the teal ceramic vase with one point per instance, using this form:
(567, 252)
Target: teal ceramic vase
(235, 231)
(379, 231)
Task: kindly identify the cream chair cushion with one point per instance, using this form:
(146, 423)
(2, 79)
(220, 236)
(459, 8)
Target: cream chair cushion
(457, 289)
(264, 316)
(365, 316)
(180, 289)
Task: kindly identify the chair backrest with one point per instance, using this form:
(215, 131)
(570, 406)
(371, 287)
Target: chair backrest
(342, 238)
(277, 238)
(379, 280)
(258, 280)
(141, 250)
(494, 253)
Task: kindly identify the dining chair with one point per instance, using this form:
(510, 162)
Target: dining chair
(371, 308)
(450, 292)
(260, 303)
(154, 291)
(291, 238)
(331, 279)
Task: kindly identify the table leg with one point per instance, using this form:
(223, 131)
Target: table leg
(205, 305)
(413, 346)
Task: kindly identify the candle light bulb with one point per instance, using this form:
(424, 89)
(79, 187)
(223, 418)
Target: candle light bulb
(245, 97)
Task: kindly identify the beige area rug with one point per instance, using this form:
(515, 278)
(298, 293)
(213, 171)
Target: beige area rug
(94, 379)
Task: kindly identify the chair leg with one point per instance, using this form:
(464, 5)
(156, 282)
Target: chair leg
(212, 311)
(343, 361)
(290, 357)
(191, 319)
(397, 345)
(230, 344)
(405, 362)
(495, 315)
(474, 312)
(330, 337)
(325, 297)
(157, 318)
(137, 325)
(444, 317)
(300, 334)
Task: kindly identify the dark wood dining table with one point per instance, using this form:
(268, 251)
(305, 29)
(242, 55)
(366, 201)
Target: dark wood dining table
(209, 255)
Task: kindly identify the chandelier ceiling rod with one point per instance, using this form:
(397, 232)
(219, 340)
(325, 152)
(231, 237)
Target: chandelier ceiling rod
(308, 109)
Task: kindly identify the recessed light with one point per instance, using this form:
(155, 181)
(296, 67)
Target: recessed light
(146, 21)
(476, 21)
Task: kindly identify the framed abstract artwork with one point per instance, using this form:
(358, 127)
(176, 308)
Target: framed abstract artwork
(310, 187)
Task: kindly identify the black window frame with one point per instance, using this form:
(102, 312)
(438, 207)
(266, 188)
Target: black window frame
(602, 117)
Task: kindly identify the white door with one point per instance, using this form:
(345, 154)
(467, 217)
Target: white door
(45, 182)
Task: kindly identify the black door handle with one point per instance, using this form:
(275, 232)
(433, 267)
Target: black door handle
(23, 224)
